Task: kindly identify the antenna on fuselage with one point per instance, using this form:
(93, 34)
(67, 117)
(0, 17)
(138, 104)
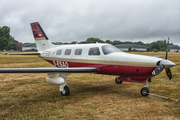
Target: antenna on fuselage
(74, 39)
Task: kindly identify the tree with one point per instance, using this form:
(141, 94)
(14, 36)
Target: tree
(129, 50)
(128, 42)
(83, 42)
(73, 42)
(159, 45)
(116, 42)
(163, 49)
(12, 44)
(139, 43)
(155, 50)
(4, 37)
(94, 40)
(108, 41)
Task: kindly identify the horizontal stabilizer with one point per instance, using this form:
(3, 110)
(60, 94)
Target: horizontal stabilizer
(21, 53)
(49, 70)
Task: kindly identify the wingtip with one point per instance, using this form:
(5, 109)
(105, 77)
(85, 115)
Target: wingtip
(6, 53)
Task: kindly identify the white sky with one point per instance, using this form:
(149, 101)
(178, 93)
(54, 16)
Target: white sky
(125, 20)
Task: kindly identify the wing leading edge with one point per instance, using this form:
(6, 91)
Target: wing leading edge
(49, 70)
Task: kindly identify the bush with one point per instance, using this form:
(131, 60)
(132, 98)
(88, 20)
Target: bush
(155, 50)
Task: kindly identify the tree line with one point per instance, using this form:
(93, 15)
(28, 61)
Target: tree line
(159, 45)
(7, 42)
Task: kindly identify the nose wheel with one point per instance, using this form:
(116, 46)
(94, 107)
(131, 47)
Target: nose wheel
(145, 91)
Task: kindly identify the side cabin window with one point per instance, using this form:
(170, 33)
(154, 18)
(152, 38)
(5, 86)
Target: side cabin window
(94, 51)
(67, 51)
(58, 52)
(78, 51)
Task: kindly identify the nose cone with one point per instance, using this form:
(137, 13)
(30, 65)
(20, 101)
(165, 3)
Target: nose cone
(167, 63)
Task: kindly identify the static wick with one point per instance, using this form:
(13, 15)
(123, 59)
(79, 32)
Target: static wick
(162, 97)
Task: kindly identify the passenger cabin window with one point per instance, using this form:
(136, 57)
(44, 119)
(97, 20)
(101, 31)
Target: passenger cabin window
(94, 51)
(58, 52)
(107, 49)
(67, 51)
(78, 51)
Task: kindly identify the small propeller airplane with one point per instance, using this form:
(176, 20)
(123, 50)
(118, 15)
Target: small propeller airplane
(100, 58)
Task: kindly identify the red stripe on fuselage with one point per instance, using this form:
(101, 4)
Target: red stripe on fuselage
(138, 73)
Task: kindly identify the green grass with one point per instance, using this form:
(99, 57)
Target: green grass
(29, 96)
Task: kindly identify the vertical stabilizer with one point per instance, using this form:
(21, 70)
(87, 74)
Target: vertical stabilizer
(40, 37)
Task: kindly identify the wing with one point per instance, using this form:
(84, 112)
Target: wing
(49, 70)
(21, 53)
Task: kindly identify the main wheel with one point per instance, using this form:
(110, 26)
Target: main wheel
(66, 91)
(144, 91)
(118, 81)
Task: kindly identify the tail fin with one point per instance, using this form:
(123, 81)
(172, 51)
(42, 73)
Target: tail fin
(40, 37)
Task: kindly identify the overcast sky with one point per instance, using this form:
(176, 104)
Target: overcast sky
(66, 20)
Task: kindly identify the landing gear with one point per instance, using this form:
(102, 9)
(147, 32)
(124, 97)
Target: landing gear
(118, 81)
(66, 91)
(63, 87)
(145, 91)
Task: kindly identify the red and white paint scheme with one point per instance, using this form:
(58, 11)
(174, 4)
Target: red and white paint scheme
(92, 58)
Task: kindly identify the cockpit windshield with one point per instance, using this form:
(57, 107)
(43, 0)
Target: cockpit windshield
(107, 49)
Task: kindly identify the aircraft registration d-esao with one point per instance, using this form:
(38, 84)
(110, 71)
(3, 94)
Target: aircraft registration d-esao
(99, 58)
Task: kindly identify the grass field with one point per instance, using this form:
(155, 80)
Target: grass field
(29, 96)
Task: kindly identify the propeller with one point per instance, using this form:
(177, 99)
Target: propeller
(168, 71)
(167, 49)
(164, 64)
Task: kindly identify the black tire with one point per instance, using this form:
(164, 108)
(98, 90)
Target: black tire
(66, 91)
(144, 91)
(118, 81)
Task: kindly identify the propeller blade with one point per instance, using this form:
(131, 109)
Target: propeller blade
(167, 48)
(168, 72)
(158, 69)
